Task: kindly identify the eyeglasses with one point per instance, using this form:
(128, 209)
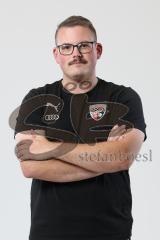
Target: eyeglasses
(83, 47)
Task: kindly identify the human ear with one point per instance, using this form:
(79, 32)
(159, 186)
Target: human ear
(99, 49)
(55, 54)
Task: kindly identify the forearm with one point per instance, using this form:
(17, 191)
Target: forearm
(107, 156)
(55, 171)
(102, 157)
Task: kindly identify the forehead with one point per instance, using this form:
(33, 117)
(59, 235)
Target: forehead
(74, 35)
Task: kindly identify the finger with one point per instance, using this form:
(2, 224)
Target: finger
(121, 137)
(111, 139)
(20, 143)
(26, 144)
(117, 131)
(115, 134)
(33, 133)
(114, 127)
(19, 155)
(26, 141)
(121, 132)
(23, 147)
(120, 127)
(24, 155)
(18, 151)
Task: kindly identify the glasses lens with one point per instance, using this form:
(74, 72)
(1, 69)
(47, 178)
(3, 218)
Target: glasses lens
(66, 49)
(85, 47)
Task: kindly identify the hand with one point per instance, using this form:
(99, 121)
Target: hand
(117, 133)
(35, 148)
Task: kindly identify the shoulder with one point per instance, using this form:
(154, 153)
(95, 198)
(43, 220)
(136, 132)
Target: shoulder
(119, 92)
(46, 89)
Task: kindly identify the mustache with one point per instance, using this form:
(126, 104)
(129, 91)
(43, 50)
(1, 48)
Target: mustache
(83, 61)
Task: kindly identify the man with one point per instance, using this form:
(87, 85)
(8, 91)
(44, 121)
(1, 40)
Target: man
(77, 139)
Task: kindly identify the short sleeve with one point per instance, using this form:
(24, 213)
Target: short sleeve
(132, 100)
(30, 113)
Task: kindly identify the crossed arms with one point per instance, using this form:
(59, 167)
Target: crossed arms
(83, 161)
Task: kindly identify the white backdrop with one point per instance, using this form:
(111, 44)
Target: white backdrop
(129, 32)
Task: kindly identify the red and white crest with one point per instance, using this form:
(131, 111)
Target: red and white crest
(97, 111)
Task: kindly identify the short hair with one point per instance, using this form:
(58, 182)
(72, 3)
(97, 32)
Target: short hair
(73, 21)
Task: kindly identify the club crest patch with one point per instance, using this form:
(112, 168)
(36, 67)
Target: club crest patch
(97, 111)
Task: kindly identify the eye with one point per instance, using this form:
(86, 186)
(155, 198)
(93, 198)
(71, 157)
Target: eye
(85, 45)
(66, 47)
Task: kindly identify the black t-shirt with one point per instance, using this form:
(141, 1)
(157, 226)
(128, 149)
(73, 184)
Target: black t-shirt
(98, 208)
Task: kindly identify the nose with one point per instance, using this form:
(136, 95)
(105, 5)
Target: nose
(76, 52)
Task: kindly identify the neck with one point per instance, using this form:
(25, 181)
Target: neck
(78, 86)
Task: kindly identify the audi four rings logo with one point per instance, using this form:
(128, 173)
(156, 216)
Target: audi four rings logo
(51, 117)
